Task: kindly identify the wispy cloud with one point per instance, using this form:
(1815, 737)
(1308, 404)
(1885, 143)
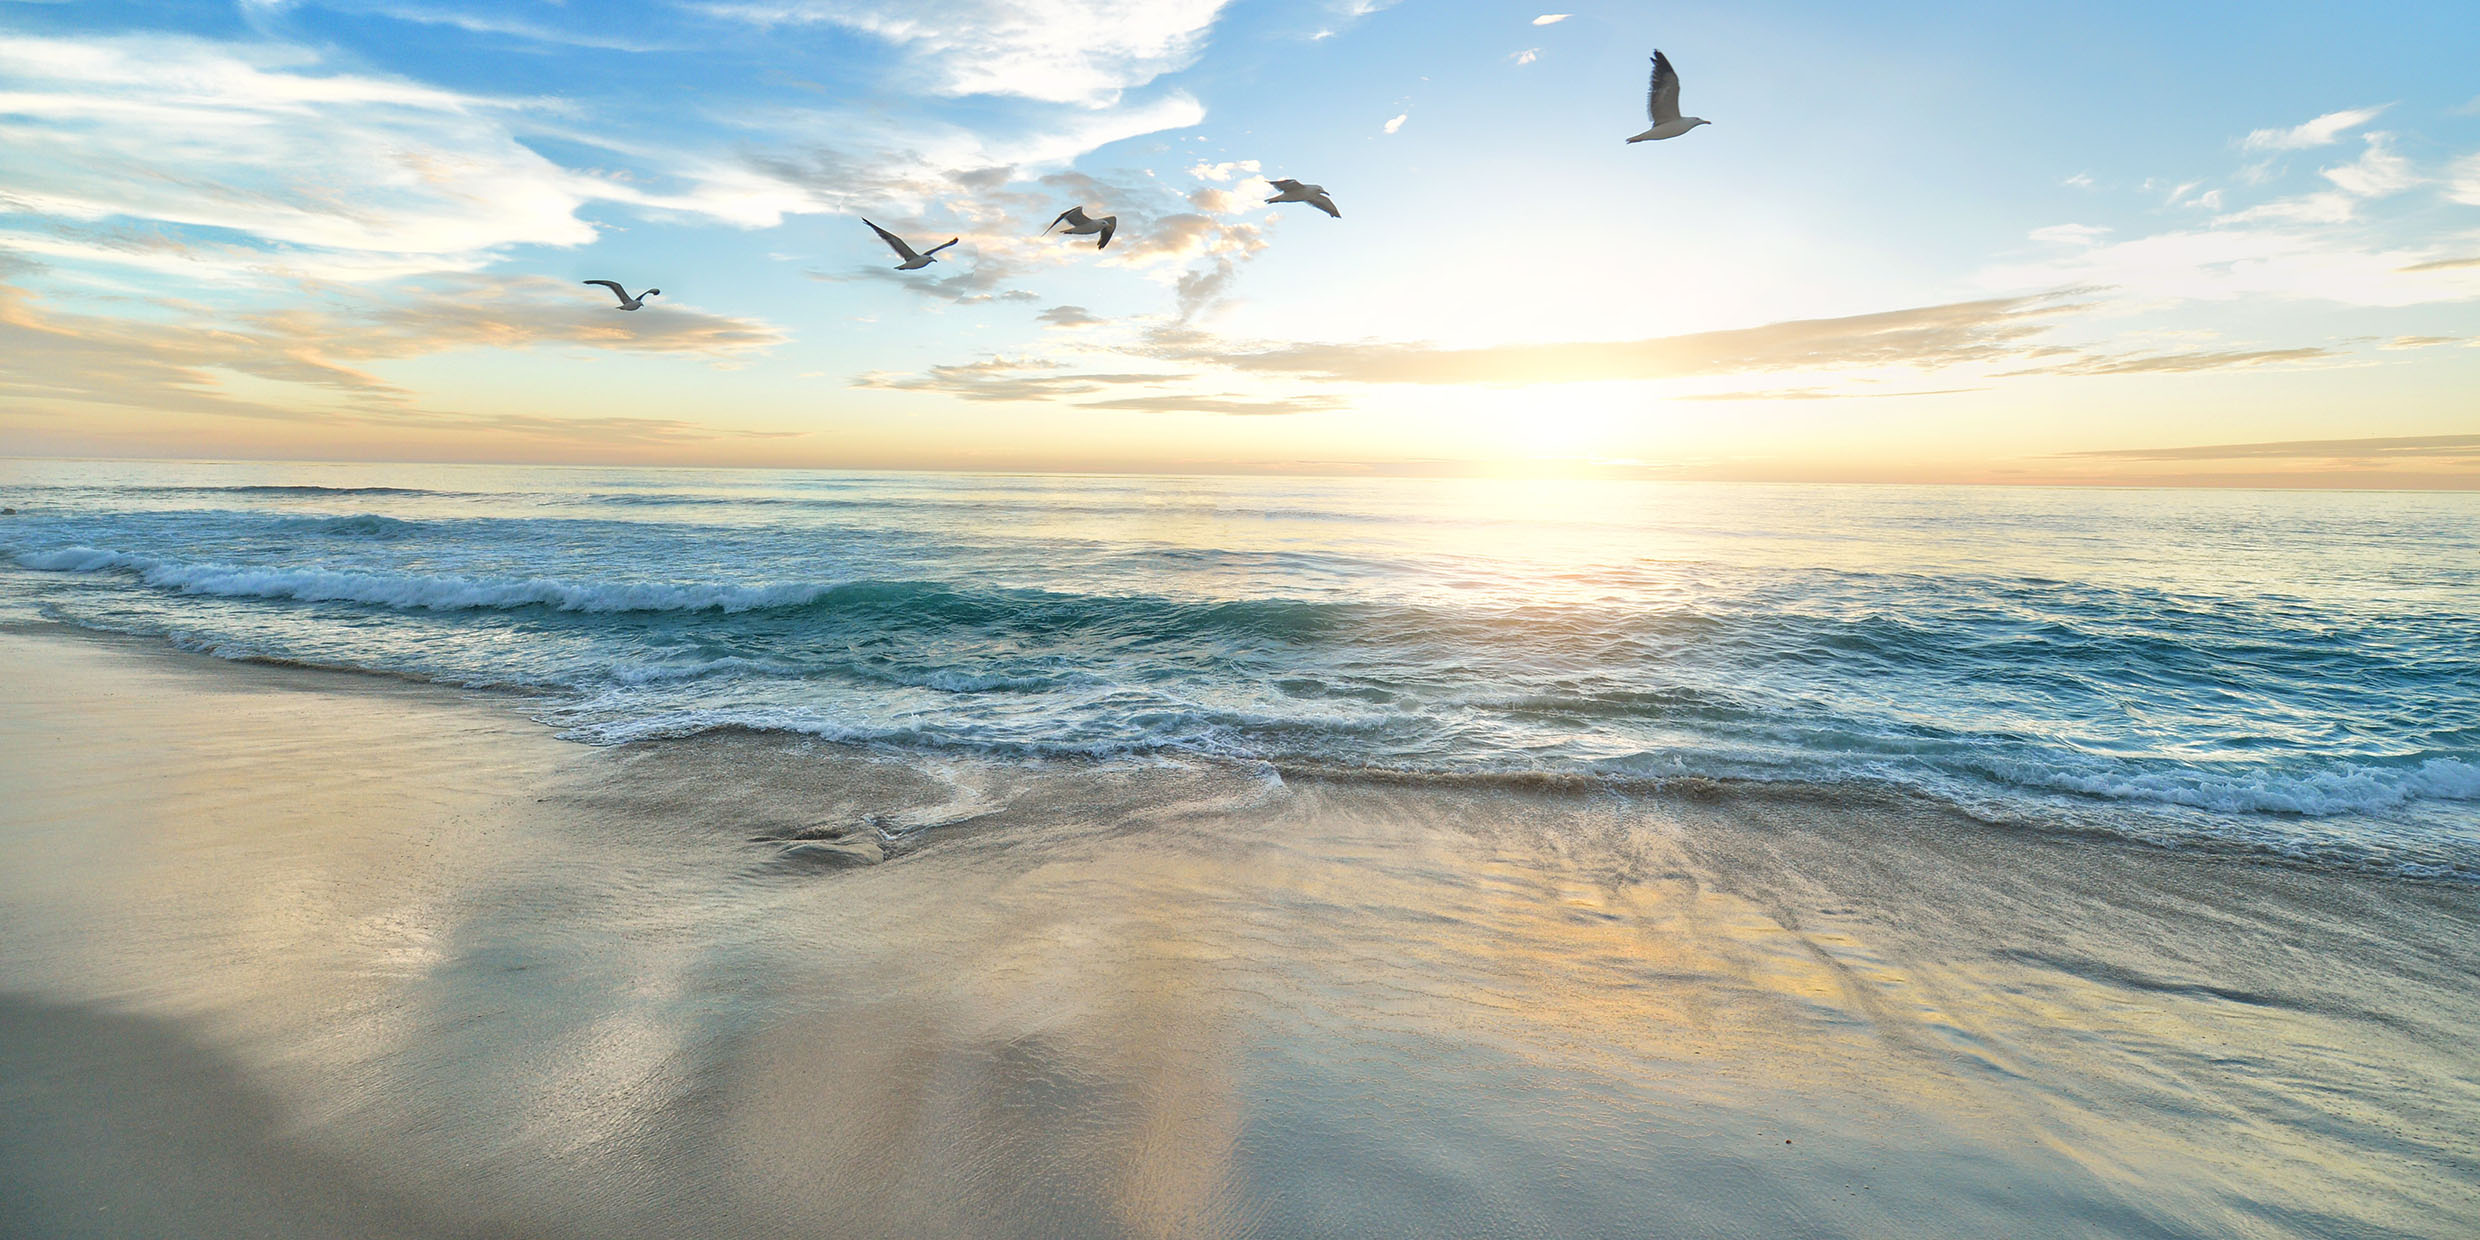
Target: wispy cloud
(1228, 405)
(2377, 172)
(2323, 131)
(1818, 393)
(2255, 254)
(2455, 447)
(1006, 379)
(1068, 316)
(2190, 362)
(1054, 51)
(2463, 180)
(51, 360)
(1398, 121)
(1927, 337)
(1550, 19)
(327, 174)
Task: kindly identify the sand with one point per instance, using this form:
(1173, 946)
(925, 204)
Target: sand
(297, 953)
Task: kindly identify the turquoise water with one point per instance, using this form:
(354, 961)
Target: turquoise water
(2289, 672)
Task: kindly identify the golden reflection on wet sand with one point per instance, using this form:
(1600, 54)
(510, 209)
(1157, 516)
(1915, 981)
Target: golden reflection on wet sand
(494, 980)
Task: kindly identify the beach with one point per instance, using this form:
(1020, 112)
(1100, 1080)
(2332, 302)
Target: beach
(302, 952)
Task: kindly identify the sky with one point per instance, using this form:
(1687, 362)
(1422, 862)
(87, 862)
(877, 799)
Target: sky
(2109, 243)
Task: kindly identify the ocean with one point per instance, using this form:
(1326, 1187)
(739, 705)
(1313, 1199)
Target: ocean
(2294, 674)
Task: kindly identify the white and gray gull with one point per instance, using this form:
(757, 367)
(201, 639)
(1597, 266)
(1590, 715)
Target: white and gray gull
(912, 261)
(1083, 225)
(626, 302)
(1662, 101)
(1315, 195)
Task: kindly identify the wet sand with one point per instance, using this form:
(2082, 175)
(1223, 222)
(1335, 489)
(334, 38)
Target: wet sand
(294, 953)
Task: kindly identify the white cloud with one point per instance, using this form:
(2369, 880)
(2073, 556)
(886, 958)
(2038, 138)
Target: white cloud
(1059, 51)
(2323, 207)
(1226, 171)
(1550, 19)
(2277, 259)
(2080, 180)
(2323, 131)
(254, 160)
(2463, 183)
(1398, 122)
(2376, 173)
(2069, 234)
(1528, 55)
(333, 174)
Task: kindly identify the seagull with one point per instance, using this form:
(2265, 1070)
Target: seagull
(626, 302)
(1314, 195)
(1083, 225)
(912, 261)
(1662, 100)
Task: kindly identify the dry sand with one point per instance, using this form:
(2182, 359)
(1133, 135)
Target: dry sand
(292, 953)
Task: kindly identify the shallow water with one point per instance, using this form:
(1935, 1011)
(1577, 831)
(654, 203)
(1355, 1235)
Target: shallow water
(295, 954)
(2289, 672)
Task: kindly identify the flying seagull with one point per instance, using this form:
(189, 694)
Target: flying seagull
(1083, 225)
(1662, 100)
(626, 302)
(1314, 195)
(912, 261)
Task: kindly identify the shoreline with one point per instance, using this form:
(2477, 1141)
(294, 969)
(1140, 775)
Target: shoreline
(1887, 797)
(313, 952)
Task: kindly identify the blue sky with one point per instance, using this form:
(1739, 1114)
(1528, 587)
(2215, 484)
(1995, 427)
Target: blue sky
(2190, 243)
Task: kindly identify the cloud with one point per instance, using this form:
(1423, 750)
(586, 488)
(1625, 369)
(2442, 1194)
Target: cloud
(1927, 337)
(2175, 363)
(2442, 264)
(1232, 406)
(2377, 172)
(1815, 393)
(1069, 316)
(2323, 131)
(1398, 122)
(909, 166)
(2419, 342)
(1037, 379)
(1004, 379)
(2463, 184)
(1058, 51)
(2385, 448)
(1527, 56)
(263, 160)
(251, 148)
(2324, 207)
(1225, 171)
(2069, 234)
(49, 358)
(2252, 255)
(2080, 180)
(495, 25)
(980, 284)
(1550, 19)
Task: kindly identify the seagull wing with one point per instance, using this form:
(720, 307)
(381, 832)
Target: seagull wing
(1110, 224)
(1322, 202)
(1662, 98)
(894, 242)
(1287, 185)
(1072, 217)
(936, 248)
(614, 286)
